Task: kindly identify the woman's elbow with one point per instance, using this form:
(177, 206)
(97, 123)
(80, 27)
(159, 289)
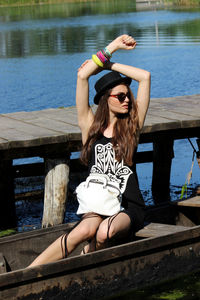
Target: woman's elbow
(80, 123)
(81, 75)
(147, 76)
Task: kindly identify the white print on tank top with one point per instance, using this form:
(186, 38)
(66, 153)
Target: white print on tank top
(105, 163)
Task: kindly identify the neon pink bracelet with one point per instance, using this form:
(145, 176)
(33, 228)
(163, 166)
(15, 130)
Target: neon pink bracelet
(102, 58)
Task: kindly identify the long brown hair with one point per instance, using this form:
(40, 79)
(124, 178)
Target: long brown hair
(125, 130)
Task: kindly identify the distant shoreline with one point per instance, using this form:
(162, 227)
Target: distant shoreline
(13, 3)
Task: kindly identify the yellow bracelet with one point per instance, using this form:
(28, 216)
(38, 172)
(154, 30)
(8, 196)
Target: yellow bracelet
(97, 61)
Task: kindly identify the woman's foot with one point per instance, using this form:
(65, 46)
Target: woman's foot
(89, 247)
(85, 249)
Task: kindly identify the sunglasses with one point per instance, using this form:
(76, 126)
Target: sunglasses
(121, 97)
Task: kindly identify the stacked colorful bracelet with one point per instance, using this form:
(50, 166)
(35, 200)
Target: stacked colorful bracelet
(102, 57)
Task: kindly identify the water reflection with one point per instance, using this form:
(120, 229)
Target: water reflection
(56, 29)
(79, 39)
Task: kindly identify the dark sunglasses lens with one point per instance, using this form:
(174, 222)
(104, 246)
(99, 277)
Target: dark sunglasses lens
(122, 96)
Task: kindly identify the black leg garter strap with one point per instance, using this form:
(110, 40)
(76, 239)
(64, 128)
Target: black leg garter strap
(64, 249)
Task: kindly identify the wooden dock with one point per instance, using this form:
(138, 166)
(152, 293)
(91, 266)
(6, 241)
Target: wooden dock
(53, 134)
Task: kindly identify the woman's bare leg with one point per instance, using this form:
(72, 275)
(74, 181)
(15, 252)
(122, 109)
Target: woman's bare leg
(85, 230)
(112, 228)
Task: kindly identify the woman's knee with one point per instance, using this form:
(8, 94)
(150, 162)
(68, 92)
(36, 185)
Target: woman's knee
(86, 232)
(114, 227)
(104, 233)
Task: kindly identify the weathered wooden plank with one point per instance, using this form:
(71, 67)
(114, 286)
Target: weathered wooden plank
(57, 125)
(191, 202)
(158, 229)
(33, 134)
(164, 124)
(24, 127)
(53, 113)
(67, 115)
(186, 98)
(177, 105)
(155, 124)
(13, 134)
(157, 120)
(169, 115)
(190, 123)
(21, 115)
(21, 140)
(41, 146)
(186, 110)
(3, 141)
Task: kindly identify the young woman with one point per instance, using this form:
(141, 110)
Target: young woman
(110, 138)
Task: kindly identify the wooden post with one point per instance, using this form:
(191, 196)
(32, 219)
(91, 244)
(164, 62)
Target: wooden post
(162, 159)
(7, 208)
(55, 194)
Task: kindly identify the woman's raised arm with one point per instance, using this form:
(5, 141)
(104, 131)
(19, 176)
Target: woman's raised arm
(89, 67)
(143, 77)
(84, 111)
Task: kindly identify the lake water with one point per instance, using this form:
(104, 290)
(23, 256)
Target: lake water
(42, 46)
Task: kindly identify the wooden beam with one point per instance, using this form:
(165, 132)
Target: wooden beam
(28, 170)
(7, 210)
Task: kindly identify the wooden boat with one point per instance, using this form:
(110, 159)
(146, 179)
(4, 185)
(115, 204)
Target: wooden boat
(168, 245)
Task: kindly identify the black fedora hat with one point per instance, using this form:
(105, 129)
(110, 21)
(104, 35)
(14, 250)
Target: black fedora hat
(109, 81)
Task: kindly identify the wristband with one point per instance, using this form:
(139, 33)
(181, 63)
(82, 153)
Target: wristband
(102, 57)
(97, 61)
(107, 53)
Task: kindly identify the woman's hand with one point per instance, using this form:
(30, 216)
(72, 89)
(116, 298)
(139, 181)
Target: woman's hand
(89, 68)
(124, 41)
(83, 64)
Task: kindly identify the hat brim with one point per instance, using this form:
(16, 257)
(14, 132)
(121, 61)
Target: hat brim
(126, 80)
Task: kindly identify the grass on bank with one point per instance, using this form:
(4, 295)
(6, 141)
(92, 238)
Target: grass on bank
(34, 2)
(7, 232)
